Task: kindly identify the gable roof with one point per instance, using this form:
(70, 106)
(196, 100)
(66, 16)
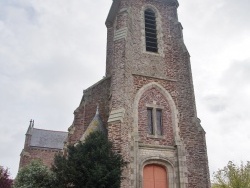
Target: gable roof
(48, 139)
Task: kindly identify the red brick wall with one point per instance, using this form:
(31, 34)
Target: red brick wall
(148, 97)
(99, 95)
(44, 154)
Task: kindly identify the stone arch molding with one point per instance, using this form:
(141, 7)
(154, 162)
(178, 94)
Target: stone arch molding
(158, 28)
(172, 105)
(162, 161)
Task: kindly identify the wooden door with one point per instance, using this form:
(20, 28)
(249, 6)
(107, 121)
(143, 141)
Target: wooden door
(154, 176)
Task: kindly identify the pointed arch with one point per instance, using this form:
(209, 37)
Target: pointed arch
(166, 94)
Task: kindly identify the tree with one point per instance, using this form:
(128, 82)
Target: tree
(34, 175)
(232, 176)
(5, 181)
(89, 164)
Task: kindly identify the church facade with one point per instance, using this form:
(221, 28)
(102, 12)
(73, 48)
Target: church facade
(146, 100)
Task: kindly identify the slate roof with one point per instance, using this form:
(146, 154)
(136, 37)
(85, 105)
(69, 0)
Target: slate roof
(48, 139)
(95, 125)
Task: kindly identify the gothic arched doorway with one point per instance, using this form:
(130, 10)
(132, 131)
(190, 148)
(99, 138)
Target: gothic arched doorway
(154, 176)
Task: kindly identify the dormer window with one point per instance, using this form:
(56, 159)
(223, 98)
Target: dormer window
(150, 31)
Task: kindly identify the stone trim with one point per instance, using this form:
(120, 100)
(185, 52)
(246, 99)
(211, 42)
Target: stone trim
(112, 13)
(155, 136)
(46, 149)
(167, 95)
(120, 34)
(25, 153)
(182, 166)
(181, 159)
(116, 115)
(123, 10)
(155, 106)
(160, 78)
(158, 147)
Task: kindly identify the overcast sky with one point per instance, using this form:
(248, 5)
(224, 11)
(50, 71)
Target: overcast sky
(50, 50)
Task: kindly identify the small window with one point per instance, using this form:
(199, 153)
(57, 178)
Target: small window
(150, 121)
(155, 125)
(150, 31)
(159, 121)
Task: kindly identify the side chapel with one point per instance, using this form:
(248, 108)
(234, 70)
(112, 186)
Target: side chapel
(146, 101)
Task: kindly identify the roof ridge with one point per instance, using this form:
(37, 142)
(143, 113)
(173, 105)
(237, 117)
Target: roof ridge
(50, 130)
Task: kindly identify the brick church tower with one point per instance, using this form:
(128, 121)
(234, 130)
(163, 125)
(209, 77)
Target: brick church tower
(146, 101)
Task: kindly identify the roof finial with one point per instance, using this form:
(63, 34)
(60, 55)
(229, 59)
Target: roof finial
(30, 127)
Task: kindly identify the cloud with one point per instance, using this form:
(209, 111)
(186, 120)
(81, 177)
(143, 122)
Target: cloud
(49, 53)
(216, 104)
(217, 37)
(51, 50)
(225, 107)
(237, 75)
(236, 81)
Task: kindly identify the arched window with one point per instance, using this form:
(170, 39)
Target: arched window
(150, 31)
(154, 176)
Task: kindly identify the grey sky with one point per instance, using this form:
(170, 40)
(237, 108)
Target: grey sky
(50, 50)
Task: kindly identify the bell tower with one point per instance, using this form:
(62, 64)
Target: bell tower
(145, 103)
(152, 117)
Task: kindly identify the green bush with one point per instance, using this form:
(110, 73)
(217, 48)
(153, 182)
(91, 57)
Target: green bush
(232, 176)
(34, 175)
(91, 164)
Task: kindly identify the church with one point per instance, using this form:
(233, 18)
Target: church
(145, 102)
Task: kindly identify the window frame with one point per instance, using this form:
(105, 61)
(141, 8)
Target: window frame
(155, 132)
(150, 120)
(151, 32)
(159, 125)
(160, 34)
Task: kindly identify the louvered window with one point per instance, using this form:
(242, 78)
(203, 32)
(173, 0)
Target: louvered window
(150, 31)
